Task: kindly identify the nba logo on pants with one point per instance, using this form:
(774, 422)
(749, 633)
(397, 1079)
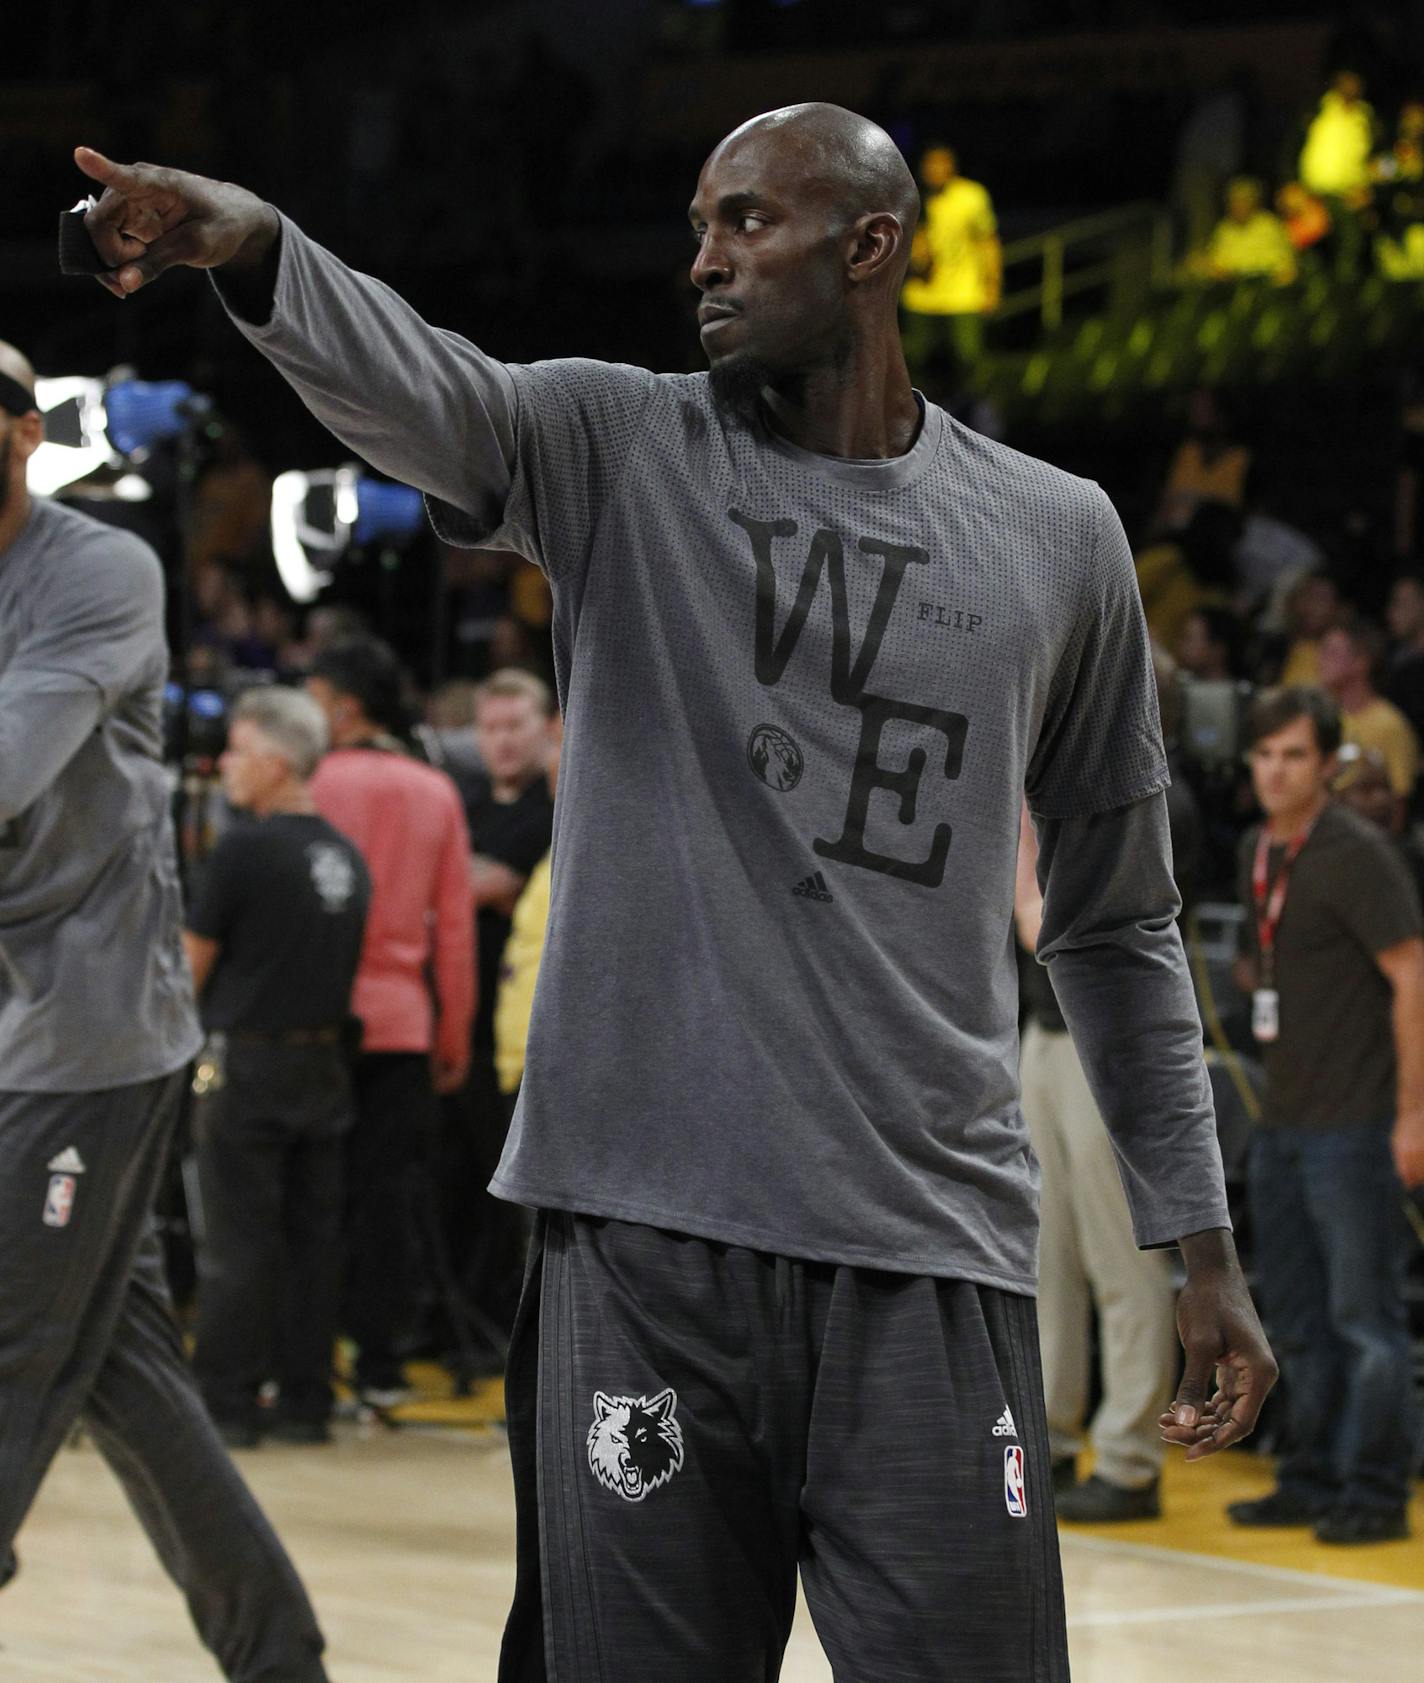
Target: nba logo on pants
(59, 1201)
(1014, 1498)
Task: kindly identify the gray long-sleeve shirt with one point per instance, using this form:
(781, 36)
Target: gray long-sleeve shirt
(804, 697)
(94, 989)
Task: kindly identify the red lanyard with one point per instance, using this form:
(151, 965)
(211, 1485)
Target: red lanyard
(1269, 907)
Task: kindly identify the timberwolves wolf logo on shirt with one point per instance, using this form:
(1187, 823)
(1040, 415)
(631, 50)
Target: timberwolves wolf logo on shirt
(332, 873)
(634, 1443)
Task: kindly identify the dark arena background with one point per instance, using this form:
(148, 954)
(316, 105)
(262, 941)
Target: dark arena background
(1191, 269)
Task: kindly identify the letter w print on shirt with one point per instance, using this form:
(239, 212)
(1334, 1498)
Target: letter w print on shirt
(849, 676)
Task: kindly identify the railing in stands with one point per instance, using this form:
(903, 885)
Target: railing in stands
(1140, 233)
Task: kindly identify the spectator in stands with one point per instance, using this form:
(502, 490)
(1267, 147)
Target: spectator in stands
(1191, 570)
(273, 939)
(1250, 242)
(1209, 648)
(1312, 607)
(1210, 465)
(1403, 682)
(1088, 1256)
(407, 820)
(1271, 555)
(1335, 165)
(1362, 784)
(510, 812)
(1306, 221)
(1334, 962)
(956, 265)
(1351, 655)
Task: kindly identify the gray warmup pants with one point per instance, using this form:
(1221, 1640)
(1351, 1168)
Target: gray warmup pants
(690, 1422)
(1087, 1255)
(87, 1333)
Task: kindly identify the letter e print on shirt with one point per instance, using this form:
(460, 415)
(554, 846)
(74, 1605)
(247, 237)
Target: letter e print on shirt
(849, 675)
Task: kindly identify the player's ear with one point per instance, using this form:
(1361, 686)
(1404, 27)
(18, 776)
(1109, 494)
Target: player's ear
(663, 1404)
(602, 1406)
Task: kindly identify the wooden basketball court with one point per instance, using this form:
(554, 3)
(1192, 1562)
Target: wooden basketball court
(406, 1540)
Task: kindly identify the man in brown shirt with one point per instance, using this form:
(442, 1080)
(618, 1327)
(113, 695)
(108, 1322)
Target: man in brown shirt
(1335, 965)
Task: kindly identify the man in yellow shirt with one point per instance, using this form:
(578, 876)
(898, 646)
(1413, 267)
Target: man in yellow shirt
(1250, 242)
(1350, 655)
(1335, 164)
(956, 266)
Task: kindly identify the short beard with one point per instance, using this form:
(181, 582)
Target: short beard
(737, 385)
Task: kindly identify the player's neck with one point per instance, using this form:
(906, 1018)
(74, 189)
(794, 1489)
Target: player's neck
(863, 410)
(1285, 825)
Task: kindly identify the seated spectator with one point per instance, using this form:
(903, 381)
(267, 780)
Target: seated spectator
(273, 940)
(1304, 217)
(415, 987)
(1335, 165)
(1312, 607)
(1250, 242)
(1362, 784)
(1210, 645)
(1210, 464)
(1350, 658)
(1399, 173)
(1271, 556)
(1193, 570)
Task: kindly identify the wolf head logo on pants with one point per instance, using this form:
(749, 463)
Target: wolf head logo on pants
(634, 1443)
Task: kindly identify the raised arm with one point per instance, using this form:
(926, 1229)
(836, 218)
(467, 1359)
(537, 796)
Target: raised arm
(418, 403)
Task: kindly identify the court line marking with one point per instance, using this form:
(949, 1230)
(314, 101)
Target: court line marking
(1159, 1554)
(1239, 1609)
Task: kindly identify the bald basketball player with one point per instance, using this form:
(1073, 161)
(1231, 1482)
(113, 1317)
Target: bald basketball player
(814, 642)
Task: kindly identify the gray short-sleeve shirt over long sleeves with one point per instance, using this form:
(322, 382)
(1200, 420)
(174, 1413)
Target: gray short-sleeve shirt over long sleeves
(804, 697)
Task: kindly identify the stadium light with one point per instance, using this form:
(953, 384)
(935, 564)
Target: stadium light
(318, 516)
(91, 423)
(76, 441)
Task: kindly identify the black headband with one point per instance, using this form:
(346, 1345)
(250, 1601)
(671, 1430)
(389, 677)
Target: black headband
(15, 399)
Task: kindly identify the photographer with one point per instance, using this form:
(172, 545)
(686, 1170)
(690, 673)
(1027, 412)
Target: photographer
(273, 942)
(96, 1030)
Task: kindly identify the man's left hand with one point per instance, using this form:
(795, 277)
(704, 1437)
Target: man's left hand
(1221, 1334)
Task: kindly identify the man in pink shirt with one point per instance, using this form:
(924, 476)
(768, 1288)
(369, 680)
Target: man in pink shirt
(407, 820)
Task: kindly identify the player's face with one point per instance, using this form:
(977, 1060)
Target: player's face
(513, 737)
(1288, 771)
(770, 260)
(251, 767)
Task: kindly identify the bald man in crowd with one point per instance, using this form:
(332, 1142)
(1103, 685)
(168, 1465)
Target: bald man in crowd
(814, 640)
(97, 1027)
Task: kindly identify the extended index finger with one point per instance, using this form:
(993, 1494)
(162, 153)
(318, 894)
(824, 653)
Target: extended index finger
(121, 177)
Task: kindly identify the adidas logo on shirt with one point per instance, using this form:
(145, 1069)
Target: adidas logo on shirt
(813, 888)
(1004, 1426)
(69, 1162)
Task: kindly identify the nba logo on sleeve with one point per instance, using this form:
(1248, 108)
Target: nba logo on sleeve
(1014, 1498)
(59, 1201)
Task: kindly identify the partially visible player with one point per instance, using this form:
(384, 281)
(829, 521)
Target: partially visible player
(97, 1026)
